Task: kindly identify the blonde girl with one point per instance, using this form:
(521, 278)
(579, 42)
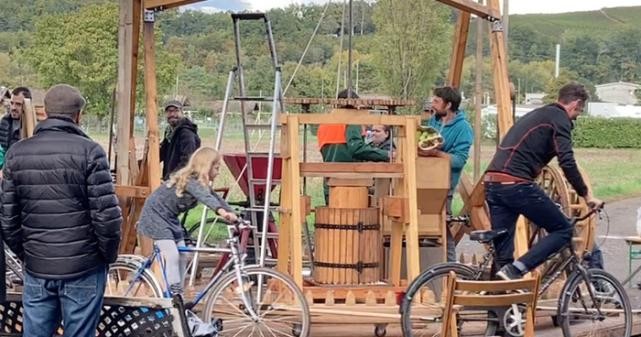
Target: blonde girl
(185, 189)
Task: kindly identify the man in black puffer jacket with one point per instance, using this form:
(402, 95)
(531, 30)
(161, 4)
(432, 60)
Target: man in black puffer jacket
(60, 215)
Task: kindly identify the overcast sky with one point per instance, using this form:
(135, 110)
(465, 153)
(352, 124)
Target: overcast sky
(516, 6)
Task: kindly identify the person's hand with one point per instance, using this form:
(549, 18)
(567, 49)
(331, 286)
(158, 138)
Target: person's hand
(392, 154)
(593, 202)
(228, 216)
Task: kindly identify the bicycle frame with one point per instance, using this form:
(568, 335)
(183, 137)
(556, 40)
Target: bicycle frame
(236, 260)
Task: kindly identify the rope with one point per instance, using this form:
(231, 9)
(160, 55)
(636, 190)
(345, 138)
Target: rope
(307, 47)
(340, 53)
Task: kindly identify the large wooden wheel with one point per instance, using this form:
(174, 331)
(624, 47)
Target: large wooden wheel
(553, 182)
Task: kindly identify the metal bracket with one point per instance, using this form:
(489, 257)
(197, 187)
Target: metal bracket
(149, 16)
(497, 26)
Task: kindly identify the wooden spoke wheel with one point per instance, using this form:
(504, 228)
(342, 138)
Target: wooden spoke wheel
(553, 182)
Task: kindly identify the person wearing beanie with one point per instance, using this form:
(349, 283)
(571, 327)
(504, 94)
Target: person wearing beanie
(64, 224)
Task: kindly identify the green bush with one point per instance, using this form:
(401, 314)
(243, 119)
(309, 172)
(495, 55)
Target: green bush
(609, 133)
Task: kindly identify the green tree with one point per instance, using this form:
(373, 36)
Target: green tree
(413, 41)
(555, 84)
(80, 48)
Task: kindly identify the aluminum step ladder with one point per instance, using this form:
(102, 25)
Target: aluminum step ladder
(236, 85)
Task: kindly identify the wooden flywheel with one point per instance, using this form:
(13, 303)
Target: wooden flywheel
(553, 182)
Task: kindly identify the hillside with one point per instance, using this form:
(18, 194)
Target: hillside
(196, 49)
(599, 23)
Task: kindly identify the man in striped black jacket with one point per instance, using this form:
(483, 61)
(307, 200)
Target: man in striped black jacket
(510, 191)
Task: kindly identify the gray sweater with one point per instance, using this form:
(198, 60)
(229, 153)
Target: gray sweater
(159, 216)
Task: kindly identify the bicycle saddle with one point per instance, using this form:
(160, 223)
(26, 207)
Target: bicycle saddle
(486, 236)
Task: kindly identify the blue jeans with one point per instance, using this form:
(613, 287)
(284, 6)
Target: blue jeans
(76, 301)
(507, 202)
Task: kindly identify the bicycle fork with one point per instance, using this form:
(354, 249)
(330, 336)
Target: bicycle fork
(585, 274)
(242, 288)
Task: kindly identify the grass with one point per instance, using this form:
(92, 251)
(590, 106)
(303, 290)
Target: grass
(614, 173)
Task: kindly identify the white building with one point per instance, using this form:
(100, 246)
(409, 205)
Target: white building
(534, 98)
(613, 110)
(618, 92)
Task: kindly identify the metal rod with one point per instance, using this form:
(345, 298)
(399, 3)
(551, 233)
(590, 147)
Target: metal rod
(349, 52)
(478, 88)
(111, 127)
(270, 163)
(223, 113)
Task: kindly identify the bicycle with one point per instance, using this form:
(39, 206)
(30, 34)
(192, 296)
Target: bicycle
(590, 290)
(246, 301)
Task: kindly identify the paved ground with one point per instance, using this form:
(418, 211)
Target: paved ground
(622, 223)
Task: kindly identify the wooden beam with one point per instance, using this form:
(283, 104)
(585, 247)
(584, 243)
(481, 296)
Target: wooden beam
(347, 116)
(167, 4)
(478, 97)
(369, 169)
(135, 48)
(139, 192)
(458, 50)
(126, 88)
(485, 12)
(501, 81)
(153, 159)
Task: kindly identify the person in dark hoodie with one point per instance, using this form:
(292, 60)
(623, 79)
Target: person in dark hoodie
(457, 134)
(180, 142)
(60, 216)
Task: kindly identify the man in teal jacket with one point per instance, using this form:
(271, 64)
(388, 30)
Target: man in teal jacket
(458, 136)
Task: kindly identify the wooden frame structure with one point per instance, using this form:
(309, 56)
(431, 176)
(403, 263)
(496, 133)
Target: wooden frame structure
(136, 179)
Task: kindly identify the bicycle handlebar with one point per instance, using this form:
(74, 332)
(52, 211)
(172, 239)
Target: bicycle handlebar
(593, 210)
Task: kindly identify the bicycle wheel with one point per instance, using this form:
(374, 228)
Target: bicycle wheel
(578, 312)
(421, 308)
(280, 306)
(128, 278)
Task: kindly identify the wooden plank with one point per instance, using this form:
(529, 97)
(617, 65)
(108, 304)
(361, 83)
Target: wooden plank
(521, 236)
(397, 207)
(349, 101)
(135, 42)
(167, 4)
(153, 155)
(485, 12)
(153, 159)
(296, 229)
(411, 232)
(373, 169)
(350, 182)
(458, 50)
(284, 228)
(140, 192)
(500, 73)
(124, 89)
(323, 118)
(492, 300)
